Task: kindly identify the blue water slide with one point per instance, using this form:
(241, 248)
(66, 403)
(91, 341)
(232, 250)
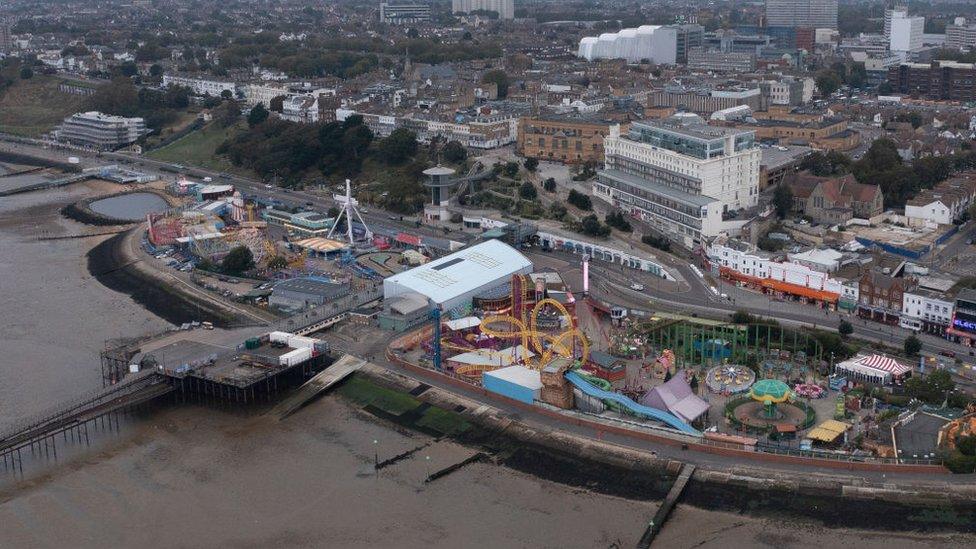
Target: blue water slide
(637, 409)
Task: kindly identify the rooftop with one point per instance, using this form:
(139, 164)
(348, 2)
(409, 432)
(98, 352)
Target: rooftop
(463, 271)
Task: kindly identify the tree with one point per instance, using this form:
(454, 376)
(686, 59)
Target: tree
(845, 328)
(156, 70)
(226, 94)
(277, 103)
(580, 200)
(510, 169)
(237, 261)
(454, 152)
(912, 346)
(617, 220)
(590, 225)
(226, 114)
(531, 164)
(527, 191)
(498, 77)
(26, 73)
(399, 146)
(549, 185)
(128, 69)
(827, 82)
(278, 262)
(783, 200)
(257, 115)
(413, 33)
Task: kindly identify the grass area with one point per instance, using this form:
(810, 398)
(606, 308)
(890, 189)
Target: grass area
(364, 393)
(199, 148)
(183, 119)
(442, 421)
(34, 106)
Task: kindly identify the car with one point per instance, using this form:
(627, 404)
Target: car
(233, 280)
(269, 186)
(637, 287)
(950, 354)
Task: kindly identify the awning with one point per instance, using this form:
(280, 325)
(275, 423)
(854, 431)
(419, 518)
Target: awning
(802, 291)
(828, 431)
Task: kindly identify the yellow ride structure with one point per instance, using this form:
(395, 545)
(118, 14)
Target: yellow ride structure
(545, 345)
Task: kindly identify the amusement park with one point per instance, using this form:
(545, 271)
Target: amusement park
(761, 387)
(482, 313)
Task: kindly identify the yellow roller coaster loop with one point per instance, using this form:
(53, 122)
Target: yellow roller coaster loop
(544, 345)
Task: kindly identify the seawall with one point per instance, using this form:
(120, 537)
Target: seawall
(842, 499)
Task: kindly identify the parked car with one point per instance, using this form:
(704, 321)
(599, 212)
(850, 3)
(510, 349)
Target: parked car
(950, 354)
(637, 287)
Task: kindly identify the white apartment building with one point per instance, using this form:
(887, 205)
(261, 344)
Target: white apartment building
(262, 93)
(100, 131)
(926, 311)
(680, 175)
(483, 132)
(961, 34)
(200, 86)
(504, 8)
(906, 32)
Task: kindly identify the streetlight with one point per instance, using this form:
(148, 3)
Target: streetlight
(427, 460)
(376, 455)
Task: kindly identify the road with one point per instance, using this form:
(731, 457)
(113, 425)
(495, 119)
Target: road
(250, 187)
(695, 297)
(613, 284)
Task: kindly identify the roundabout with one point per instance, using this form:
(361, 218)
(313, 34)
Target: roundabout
(729, 379)
(770, 403)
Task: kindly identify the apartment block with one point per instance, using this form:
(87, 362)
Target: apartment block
(680, 175)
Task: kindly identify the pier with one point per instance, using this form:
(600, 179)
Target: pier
(39, 434)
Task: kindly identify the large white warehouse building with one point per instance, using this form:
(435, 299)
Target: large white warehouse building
(656, 43)
(453, 280)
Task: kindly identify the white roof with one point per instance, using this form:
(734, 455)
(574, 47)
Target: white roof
(823, 257)
(463, 323)
(491, 357)
(463, 271)
(519, 375)
(210, 189)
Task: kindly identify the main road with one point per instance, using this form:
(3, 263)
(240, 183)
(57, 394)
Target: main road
(612, 282)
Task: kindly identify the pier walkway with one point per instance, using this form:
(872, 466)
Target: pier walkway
(322, 382)
(74, 416)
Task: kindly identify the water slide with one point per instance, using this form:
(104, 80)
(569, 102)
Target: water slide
(629, 405)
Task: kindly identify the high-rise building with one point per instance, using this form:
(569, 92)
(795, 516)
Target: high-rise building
(904, 32)
(398, 14)
(689, 36)
(6, 38)
(680, 175)
(101, 131)
(811, 14)
(504, 8)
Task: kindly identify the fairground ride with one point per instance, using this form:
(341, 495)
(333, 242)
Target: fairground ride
(569, 343)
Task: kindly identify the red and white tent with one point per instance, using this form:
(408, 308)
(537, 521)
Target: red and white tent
(873, 368)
